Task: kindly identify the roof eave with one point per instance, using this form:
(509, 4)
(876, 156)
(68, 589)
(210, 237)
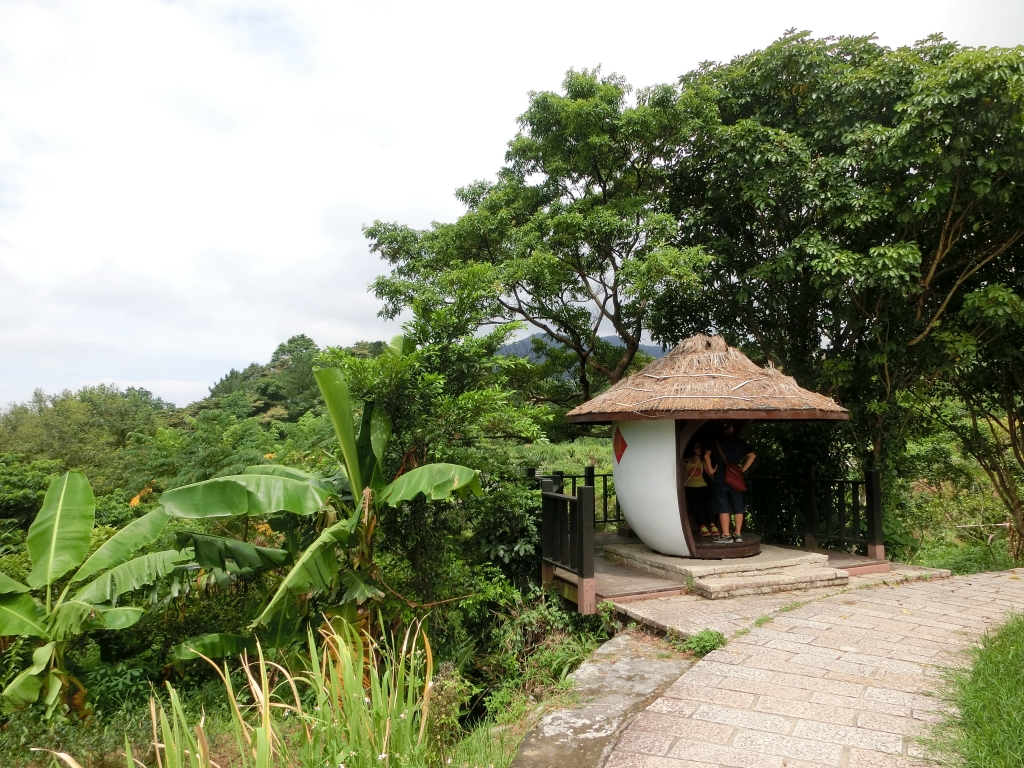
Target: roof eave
(753, 415)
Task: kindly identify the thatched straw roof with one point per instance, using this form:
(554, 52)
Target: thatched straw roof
(705, 378)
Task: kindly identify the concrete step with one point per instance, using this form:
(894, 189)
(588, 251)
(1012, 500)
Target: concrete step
(775, 569)
(808, 576)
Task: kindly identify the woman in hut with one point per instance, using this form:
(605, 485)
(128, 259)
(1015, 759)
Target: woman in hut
(726, 500)
(698, 501)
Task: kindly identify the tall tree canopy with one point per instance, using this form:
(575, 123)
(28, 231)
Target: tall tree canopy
(572, 238)
(852, 197)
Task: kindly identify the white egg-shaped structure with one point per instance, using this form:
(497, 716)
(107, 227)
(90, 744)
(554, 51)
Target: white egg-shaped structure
(646, 485)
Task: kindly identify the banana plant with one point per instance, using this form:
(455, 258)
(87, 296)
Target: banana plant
(335, 557)
(58, 544)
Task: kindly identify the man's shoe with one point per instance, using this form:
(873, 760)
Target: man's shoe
(714, 530)
(704, 531)
(721, 540)
(737, 539)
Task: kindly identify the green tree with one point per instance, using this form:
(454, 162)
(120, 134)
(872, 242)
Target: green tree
(851, 196)
(572, 238)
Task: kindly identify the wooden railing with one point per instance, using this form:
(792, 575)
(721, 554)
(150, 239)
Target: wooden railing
(809, 511)
(606, 505)
(567, 543)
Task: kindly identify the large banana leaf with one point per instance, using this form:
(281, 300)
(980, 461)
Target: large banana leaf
(290, 472)
(120, 618)
(213, 646)
(122, 544)
(74, 617)
(21, 615)
(315, 569)
(215, 551)
(24, 689)
(435, 481)
(59, 537)
(257, 494)
(9, 586)
(70, 618)
(369, 465)
(131, 575)
(400, 345)
(334, 388)
(380, 433)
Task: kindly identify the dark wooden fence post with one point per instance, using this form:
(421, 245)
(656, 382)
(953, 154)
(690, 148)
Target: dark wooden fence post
(548, 534)
(586, 595)
(810, 511)
(559, 480)
(588, 475)
(876, 536)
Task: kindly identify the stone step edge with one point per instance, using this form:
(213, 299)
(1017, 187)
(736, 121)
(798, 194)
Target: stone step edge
(732, 586)
(683, 575)
(768, 590)
(654, 562)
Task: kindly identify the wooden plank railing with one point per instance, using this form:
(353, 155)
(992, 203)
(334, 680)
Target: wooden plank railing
(809, 511)
(567, 541)
(606, 504)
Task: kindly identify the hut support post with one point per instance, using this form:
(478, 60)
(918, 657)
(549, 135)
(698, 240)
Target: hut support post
(810, 511)
(876, 536)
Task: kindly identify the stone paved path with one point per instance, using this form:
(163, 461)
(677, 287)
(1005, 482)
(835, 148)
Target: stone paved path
(846, 681)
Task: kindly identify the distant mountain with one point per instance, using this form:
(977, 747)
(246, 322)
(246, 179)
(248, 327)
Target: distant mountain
(524, 347)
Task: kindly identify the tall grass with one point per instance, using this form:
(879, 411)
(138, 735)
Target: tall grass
(358, 703)
(986, 728)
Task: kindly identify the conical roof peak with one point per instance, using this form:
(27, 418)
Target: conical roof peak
(703, 377)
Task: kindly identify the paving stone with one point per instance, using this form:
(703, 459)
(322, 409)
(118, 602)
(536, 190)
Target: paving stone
(761, 688)
(759, 721)
(817, 684)
(727, 670)
(626, 759)
(830, 699)
(671, 706)
(708, 695)
(879, 741)
(906, 726)
(757, 756)
(864, 758)
(685, 727)
(789, 746)
(645, 741)
(807, 710)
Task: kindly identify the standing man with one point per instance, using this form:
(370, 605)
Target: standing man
(728, 449)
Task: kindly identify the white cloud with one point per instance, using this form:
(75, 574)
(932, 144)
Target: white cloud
(182, 184)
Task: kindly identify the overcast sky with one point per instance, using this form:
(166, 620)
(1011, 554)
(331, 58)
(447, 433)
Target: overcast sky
(182, 184)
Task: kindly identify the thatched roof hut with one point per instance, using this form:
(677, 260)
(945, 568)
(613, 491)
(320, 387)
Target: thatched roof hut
(705, 378)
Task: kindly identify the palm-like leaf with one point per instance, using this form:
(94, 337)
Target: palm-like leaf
(9, 586)
(21, 615)
(213, 646)
(279, 470)
(339, 405)
(59, 537)
(257, 494)
(135, 573)
(122, 544)
(435, 481)
(215, 551)
(24, 689)
(315, 569)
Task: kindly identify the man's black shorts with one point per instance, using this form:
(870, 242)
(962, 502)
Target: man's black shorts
(727, 500)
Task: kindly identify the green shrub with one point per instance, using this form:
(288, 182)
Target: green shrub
(704, 642)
